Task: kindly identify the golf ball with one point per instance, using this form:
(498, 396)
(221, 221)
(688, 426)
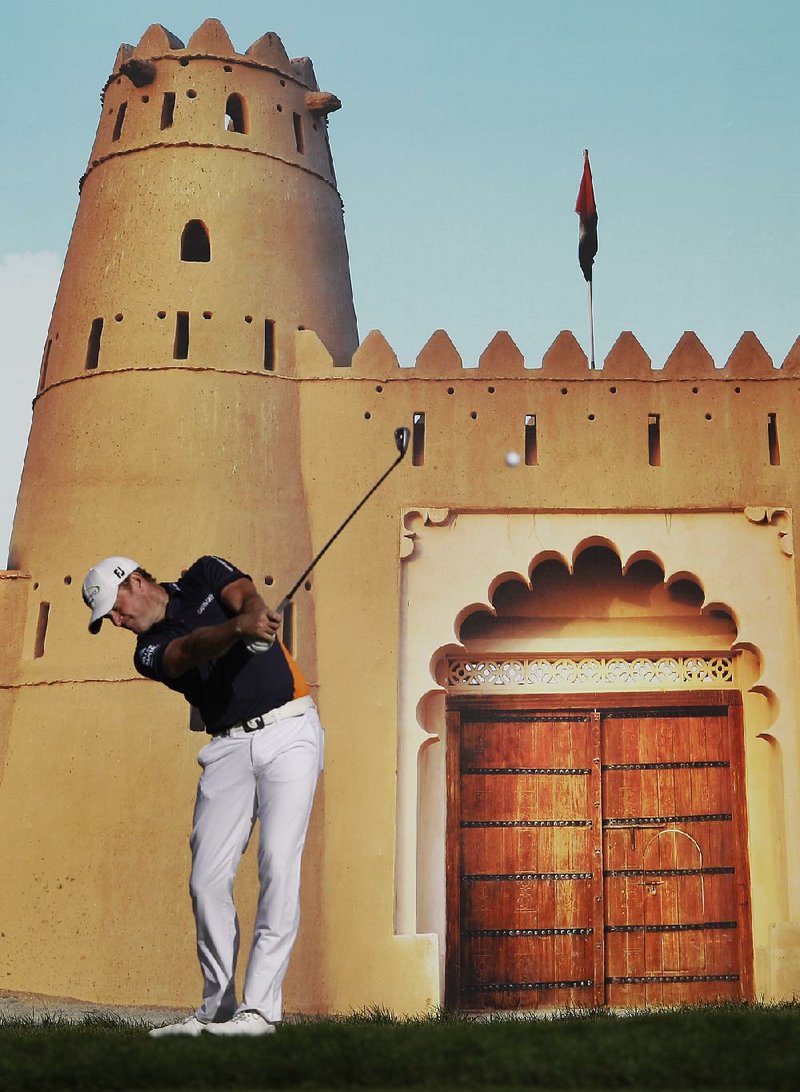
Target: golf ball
(512, 458)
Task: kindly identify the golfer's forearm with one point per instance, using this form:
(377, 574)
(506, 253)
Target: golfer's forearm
(206, 643)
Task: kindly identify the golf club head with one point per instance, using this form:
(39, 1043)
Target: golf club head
(401, 438)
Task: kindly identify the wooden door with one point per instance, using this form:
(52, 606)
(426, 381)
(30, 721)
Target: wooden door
(524, 923)
(676, 898)
(596, 856)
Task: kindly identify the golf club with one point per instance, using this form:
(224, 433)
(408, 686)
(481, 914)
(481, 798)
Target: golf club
(401, 438)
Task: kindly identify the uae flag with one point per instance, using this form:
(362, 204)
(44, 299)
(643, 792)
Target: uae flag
(587, 210)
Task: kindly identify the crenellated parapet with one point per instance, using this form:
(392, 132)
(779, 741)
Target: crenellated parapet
(439, 359)
(687, 432)
(211, 40)
(627, 359)
(284, 350)
(163, 93)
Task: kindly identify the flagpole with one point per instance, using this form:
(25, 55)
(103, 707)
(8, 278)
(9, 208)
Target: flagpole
(586, 209)
(591, 327)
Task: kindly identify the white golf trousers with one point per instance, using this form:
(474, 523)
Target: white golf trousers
(269, 775)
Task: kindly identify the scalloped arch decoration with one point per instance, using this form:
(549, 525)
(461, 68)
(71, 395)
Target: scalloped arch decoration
(593, 541)
(509, 577)
(640, 555)
(488, 605)
(671, 541)
(548, 555)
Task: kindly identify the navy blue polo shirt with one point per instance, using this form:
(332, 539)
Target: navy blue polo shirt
(237, 685)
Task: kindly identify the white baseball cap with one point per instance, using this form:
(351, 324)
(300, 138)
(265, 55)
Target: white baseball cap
(101, 585)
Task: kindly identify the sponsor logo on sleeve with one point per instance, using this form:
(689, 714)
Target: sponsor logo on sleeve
(146, 654)
(208, 599)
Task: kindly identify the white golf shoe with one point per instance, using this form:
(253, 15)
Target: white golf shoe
(190, 1026)
(246, 1022)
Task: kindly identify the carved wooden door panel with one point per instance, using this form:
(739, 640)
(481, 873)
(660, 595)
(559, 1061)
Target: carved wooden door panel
(525, 882)
(571, 886)
(675, 858)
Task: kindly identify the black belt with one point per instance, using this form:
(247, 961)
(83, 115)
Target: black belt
(292, 708)
(253, 725)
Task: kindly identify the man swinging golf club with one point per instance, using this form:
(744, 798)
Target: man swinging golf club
(262, 762)
(210, 636)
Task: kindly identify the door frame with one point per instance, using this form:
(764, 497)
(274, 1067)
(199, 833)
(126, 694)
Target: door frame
(459, 704)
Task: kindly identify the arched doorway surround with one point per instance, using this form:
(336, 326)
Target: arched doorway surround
(459, 566)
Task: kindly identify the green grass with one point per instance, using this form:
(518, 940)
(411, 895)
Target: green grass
(727, 1047)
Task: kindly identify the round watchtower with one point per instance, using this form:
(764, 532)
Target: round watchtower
(209, 231)
(209, 227)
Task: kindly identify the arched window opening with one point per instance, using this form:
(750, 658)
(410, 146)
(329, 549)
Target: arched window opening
(195, 243)
(236, 114)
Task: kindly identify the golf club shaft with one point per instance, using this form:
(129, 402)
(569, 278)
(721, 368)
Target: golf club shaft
(401, 436)
(288, 598)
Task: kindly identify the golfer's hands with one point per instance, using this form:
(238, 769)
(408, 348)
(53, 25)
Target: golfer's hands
(251, 622)
(259, 625)
(254, 623)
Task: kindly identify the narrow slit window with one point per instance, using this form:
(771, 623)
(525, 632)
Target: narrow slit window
(168, 110)
(45, 360)
(772, 436)
(93, 346)
(329, 153)
(195, 242)
(119, 121)
(41, 630)
(299, 137)
(269, 345)
(181, 348)
(236, 114)
(654, 439)
(418, 440)
(531, 441)
(288, 635)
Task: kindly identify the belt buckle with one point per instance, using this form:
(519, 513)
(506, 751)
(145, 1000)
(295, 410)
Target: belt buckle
(254, 724)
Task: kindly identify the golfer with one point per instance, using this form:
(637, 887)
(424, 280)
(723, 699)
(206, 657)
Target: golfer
(262, 762)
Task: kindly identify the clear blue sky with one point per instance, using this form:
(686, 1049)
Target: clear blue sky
(458, 154)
